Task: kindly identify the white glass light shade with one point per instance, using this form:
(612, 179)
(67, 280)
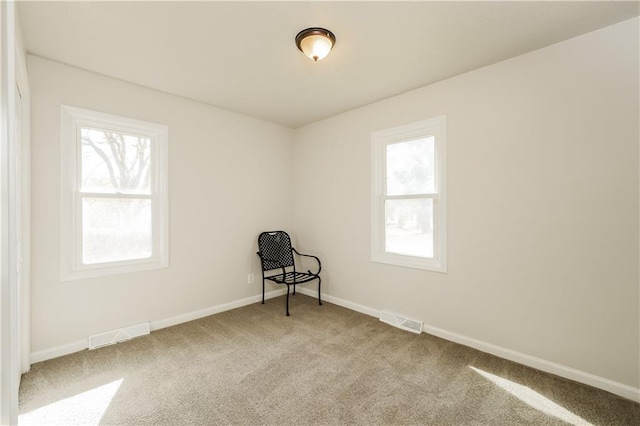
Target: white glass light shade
(316, 47)
(316, 43)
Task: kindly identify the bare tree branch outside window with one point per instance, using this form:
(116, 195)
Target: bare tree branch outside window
(115, 228)
(115, 162)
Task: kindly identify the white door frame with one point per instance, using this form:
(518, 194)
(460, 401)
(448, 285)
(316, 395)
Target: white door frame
(23, 206)
(10, 312)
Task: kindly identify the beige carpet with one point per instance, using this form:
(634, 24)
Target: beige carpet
(323, 365)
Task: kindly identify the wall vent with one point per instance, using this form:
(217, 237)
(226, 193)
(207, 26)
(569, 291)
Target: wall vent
(401, 322)
(116, 336)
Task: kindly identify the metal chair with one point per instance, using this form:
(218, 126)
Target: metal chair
(277, 254)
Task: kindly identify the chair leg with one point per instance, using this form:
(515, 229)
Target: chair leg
(288, 299)
(319, 298)
(294, 289)
(263, 291)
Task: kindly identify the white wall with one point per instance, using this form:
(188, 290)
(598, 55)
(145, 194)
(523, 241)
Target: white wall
(230, 177)
(542, 205)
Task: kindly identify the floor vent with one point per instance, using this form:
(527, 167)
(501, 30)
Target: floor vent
(401, 322)
(116, 336)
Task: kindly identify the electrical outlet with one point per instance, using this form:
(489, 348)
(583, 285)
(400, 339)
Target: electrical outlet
(250, 278)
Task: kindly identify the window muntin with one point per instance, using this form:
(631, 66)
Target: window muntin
(114, 206)
(408, 199)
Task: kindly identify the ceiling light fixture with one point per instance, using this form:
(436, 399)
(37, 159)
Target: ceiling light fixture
(316, 43)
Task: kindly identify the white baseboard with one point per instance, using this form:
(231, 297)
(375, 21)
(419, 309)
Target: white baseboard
(616, 388)
(179, 319)
(80, 345)
(58, 351)
(340, 302)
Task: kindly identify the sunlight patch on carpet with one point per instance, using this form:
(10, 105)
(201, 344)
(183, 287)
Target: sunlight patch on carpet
(533, 399)
(86, 408)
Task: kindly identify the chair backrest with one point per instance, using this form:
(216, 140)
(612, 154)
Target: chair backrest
(275, 250)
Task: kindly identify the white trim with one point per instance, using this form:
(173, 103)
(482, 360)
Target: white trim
(608, 385)
(83, 344)
(340, 302)
(59, 351)
(437, 128)
(179, 319)
(24, 292)
(10, 318)
(71, 120)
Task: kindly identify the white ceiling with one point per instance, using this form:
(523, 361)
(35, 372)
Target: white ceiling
(241, 56)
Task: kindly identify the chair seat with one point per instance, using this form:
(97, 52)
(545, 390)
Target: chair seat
(292, 278)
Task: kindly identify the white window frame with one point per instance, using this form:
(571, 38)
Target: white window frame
(436, 127)
(71, 121)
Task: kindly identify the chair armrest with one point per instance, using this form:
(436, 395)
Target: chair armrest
(312, 256)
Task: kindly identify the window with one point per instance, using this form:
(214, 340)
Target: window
(408, 204)
(114, 214)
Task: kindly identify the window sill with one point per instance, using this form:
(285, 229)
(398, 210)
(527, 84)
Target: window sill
(108, 269)
(409, 262)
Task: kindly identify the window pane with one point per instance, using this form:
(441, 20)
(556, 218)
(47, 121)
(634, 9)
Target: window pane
(409, 227)
(115, 162)
(115, 229)
(410, 167)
